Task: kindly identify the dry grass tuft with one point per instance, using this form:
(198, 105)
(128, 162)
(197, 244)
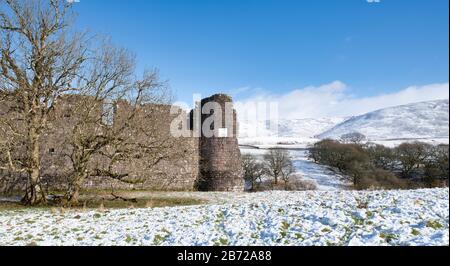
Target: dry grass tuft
(101, 208)
(150, 204)
(53, 210)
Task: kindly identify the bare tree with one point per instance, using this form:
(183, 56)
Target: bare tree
(59, 81)
(287, 173)
(278, 164)
(253, 170)
(412, 156)
(437, 165)
(40, 59)
(353, 137)
(382, 157)
(108, 129)
(11, 146)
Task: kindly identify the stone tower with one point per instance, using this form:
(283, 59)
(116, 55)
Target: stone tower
(220, 157)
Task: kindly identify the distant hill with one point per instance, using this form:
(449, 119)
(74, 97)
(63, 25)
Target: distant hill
(417, 120)
(293, 128)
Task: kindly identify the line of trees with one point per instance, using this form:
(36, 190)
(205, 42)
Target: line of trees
(408, 165)
(43, 61)
(276, 165)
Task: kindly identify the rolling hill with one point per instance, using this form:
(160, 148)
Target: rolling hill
(423, 120)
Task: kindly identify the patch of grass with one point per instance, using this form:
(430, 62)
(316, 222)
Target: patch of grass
(144, 202)
(299, 236)
(389, 237)
(92, 200)
(415, 232)
(434, 224)
(362, 204)
(220, 217)
(358, 220)
(329, 243)
(326, 230)
(254, 235)
(160, 238)
(14, 206)
(129, 239)
(222, 242)
(281, 211)
(284, 225)
(284, 229)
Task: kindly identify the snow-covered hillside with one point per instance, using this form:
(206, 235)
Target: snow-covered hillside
(409, 217)
(305, 128)
(423, 120)
(288, 132)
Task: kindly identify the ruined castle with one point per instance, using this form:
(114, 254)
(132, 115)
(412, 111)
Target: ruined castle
(193, 162)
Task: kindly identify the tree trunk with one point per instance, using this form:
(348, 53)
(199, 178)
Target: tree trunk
(73, 193)
(34, 193)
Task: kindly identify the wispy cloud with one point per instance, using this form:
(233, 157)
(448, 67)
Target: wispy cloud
(334, 99)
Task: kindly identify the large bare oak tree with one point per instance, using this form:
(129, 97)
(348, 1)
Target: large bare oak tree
(39, 61)
(45, 62)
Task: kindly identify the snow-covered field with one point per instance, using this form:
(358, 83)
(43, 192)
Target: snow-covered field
(415, 217)
(324, 178)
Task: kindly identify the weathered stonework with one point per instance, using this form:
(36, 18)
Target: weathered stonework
(201, 163)
(220, 157)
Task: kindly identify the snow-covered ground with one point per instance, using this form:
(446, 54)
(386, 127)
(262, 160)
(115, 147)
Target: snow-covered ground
(278, 142)
(414, 217)
(323, 177)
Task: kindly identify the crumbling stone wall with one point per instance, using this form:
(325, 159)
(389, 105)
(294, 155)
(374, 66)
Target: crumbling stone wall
(197, 163)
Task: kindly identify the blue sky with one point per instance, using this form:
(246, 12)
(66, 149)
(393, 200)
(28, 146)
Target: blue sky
(245, 47)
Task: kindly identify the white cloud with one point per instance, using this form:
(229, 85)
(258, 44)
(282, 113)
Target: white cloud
(334, 99)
